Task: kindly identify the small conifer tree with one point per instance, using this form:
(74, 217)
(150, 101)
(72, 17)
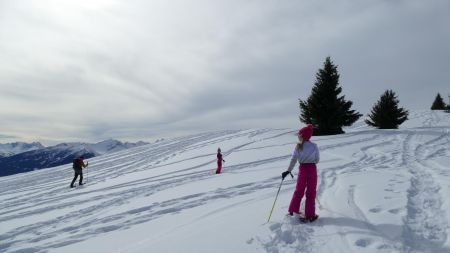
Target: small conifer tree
(386, 114)
(438, 103)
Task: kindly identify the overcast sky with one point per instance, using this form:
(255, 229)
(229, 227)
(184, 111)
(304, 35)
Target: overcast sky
(87, 70)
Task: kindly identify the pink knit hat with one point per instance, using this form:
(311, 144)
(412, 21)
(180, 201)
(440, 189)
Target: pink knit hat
(306, 132)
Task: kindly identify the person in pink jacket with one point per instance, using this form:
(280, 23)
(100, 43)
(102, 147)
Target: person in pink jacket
(219, 161)
(307, 154)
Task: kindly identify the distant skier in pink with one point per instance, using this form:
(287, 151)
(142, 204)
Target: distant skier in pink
(219, 161)
(307, 154)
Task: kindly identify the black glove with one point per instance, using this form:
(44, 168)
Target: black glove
(284, 174)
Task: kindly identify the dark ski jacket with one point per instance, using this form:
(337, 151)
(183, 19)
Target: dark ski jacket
(78, 165)
(219, 158)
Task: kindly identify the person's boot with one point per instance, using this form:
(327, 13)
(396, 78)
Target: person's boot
(71, 186)
(311, 219)
(315, 217)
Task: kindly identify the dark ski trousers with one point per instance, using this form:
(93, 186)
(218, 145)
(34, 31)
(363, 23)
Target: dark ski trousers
(77, 172)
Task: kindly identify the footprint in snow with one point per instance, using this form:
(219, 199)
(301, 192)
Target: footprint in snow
(287, 237)
(375, 210)
(383, 247)
(275, 226)
(394, 211)
(363, 242)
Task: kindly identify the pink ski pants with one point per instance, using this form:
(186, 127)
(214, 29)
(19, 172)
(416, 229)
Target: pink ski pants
(307, 178)
(219, 168)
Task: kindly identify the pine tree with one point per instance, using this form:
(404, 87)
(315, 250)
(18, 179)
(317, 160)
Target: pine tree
(386, 114)
(438, 103)
(325, 109)
(448, 105)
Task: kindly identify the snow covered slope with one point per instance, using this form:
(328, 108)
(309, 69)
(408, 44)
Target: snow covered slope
(379, 191)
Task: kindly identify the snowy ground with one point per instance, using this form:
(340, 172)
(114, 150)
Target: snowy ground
(379, 191)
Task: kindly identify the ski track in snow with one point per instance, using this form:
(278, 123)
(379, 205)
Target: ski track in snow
(425, 226)
(62, 216)
(425, 223)
(34, 202)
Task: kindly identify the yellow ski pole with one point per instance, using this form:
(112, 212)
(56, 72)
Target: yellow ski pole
(279, 188)
(318, 202)
(270, 215)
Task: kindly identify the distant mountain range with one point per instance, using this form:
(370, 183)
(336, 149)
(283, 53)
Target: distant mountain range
(15, 148)
(22, 157)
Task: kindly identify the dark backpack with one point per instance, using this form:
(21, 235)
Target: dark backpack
(76, 164)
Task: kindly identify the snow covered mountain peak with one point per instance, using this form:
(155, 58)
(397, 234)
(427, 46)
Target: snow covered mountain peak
(99, 148)
(9, 149)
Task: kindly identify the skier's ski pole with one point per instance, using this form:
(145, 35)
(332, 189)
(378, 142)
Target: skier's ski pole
(279, 188)
(318, 202)
(273, 206)
(87, 172)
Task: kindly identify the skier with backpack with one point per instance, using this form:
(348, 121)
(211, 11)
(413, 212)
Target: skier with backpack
(219, 161)
(78, 165)
(307, 154)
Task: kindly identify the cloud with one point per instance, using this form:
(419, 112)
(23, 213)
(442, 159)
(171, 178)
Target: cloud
(7, 137)
(91, 70)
